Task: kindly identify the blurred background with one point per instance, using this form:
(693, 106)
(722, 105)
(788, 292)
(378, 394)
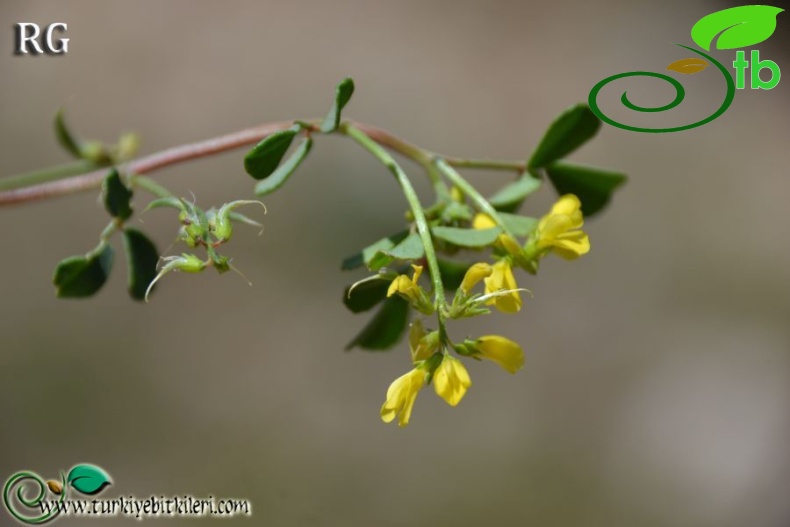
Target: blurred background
(657, 381)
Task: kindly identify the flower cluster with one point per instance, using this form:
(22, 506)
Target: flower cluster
(432, 352)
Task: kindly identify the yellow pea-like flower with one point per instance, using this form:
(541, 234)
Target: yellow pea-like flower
(407, 286)
(560, 229)
(474, 274)
(483, 221)
(502, 278)
(401, 396)
(451, 380)
(502, 351)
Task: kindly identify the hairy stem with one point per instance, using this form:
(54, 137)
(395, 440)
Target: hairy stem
(75, 177)
(416, 207)
(47, 174)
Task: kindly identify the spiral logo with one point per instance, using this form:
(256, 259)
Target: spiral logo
(26, 495)
(731, 28)
(21, 482)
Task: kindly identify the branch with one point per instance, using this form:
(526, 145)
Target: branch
(217, 145)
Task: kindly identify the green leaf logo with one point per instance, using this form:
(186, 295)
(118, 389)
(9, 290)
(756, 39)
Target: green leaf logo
(739, 27)
(88, 479)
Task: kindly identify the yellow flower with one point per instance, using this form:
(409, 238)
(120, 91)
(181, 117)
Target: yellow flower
(504, 241)
(411, 291)
(502, 279)
(474, 274)
(451, 380)
(401, 396)
(421, 344)
(504, 352)
(483, 221)
(407, 286)
(560, 229)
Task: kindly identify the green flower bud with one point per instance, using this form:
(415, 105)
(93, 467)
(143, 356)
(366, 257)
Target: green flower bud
(188, 263)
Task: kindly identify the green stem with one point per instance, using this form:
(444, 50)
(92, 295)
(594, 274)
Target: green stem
(416, 207)
(482, 203)
(150, 185)
(517, 166)
(47, 174)
(114, 226)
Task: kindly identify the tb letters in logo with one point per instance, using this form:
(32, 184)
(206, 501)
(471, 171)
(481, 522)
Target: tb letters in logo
(30, 39)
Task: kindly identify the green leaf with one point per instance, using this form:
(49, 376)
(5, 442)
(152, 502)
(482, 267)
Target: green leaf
(740, 27)
(141, 260)
(574, 127)
(262, 160)
(365, 255)
(66, 140)
(452, 273)
(467, 237)
(510, 197)
(410, 248)
(88, 479)
(518, 225)
(385, 328)
(81, 276)
(117, 198)
(284, 171)
(593, 186)
(366, 295)
(343, 93)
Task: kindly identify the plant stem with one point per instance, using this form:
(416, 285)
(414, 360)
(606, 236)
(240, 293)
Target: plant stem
(482, 203)
(72, 178)
(416, 207)
(150, 185)
(47, 174)
(516, 166)
(143, 165)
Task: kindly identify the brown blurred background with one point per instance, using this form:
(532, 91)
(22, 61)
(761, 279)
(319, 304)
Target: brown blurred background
(658, 368)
